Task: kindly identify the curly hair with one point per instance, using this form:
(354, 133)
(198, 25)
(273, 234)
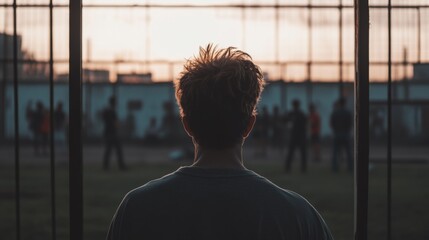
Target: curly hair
(217, 93)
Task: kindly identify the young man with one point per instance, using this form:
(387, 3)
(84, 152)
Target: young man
(314, 119)
(111, 136)
(217, 197)
(342, 125)
(298, 136)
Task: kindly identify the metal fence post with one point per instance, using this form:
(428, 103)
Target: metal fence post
(3, 83)
(52, 136)
(340, 52)
(16, 116)
(361, 118)
(75, 108)
(309, 86)
(389, 120)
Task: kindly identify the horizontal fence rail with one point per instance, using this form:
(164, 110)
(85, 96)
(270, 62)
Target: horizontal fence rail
(214, 6)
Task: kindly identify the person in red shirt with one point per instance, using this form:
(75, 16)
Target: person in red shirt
(314, 119)
(45, 129)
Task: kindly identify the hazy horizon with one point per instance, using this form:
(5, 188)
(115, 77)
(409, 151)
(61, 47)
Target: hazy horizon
(174, 34)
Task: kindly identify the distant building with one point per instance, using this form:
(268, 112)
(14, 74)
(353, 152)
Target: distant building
(34, 70)
(134, 78)
(6, 53)
(421, 72)
(63, 77)
(89, 75)
(30, 70)
(95, 75)
(146, 101)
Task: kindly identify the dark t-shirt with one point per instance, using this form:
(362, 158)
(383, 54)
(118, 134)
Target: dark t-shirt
(109, 119)
(314, 124)
(60, 118)
(36, 120)
(341, 121)
(299, 124)
(198, 203)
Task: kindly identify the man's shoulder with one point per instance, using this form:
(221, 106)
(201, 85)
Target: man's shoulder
(283, 196)
(152, 186)
(179, 194)
(256, 185)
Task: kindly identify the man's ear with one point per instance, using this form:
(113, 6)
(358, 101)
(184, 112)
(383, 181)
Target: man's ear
(249, 126)
(186, 126)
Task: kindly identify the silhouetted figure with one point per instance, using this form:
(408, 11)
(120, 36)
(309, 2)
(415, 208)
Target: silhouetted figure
(277, 128)
(314, 119)
(29, 116)
(60, 124)
(298, 136)
(341, 124)
(45, 130)
(112, 141)
(151, 135)
(35, 123)
(217, 197)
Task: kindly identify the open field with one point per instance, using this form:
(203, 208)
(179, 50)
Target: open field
(331, 194)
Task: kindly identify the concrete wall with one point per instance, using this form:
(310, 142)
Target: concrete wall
(153, 96)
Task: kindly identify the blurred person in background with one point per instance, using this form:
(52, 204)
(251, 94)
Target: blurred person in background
(35, 118)
(341, 124)
(60, 124)
(217, 197)
(314, 119)
(45, 130)
(151, 135)
(30, 117)
(298, 136)
(277, 129)
(111, 136)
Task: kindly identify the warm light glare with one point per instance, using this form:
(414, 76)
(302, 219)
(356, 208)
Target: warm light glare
(158, 40)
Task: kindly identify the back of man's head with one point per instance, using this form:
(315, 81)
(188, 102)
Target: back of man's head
(217, 93)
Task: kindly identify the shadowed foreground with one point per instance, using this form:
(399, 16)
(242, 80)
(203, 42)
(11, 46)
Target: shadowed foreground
(332, 195)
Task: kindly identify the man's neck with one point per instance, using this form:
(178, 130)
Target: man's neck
(219, 158)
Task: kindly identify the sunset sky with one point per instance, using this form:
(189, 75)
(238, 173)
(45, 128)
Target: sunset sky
(174, 34)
